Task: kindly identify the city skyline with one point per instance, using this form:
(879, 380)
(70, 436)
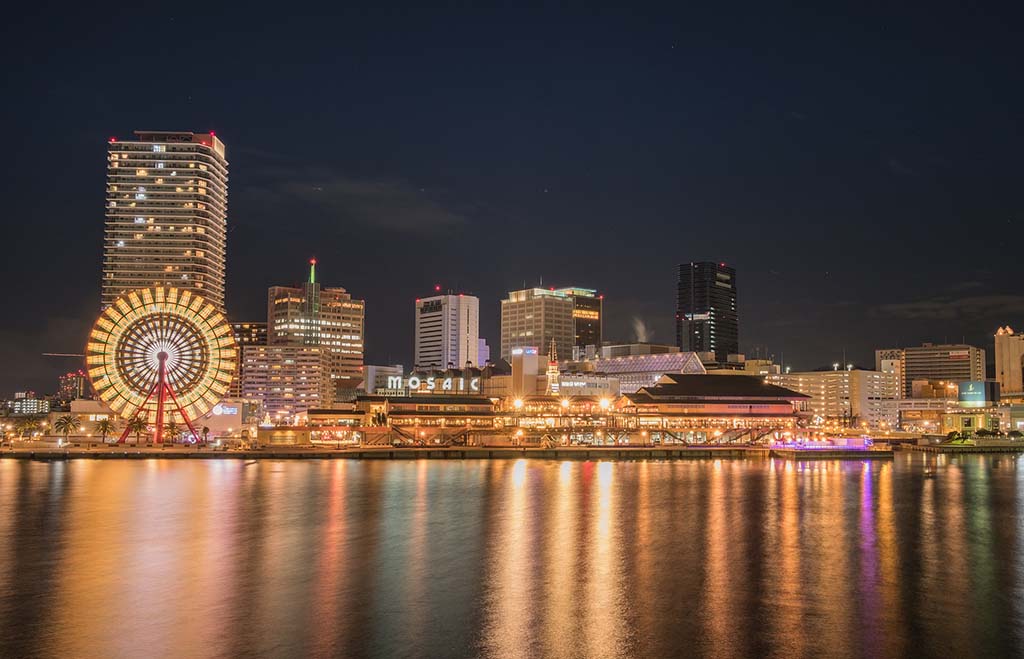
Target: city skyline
(806, 179)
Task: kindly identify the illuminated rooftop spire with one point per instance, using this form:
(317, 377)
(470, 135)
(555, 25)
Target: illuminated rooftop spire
(312, 271)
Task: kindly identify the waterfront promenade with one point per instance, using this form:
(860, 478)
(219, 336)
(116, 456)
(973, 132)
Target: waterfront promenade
(441, 453)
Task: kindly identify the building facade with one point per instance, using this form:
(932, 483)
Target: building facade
(287, 379)
(166, 214)
(587, 316)
(848, 398)
(635, 371)
(447, 331)
(939, 362)
(329, 318)
(535, 317)
(26, 403)
(375, 377)
(1010, 362)
(246, 334)
(74, 385)
(706, 314)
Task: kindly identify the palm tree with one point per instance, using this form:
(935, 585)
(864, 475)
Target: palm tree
(67, 424)
(27, 425)
(172, 430)
(105, 427)
(206, 435)
(137, 426)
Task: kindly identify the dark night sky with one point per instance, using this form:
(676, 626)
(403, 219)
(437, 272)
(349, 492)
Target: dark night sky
(860, 169)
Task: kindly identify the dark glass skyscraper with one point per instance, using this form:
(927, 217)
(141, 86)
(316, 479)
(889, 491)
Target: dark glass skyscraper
(706, 319)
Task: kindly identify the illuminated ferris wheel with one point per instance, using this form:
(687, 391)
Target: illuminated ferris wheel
(161, 355)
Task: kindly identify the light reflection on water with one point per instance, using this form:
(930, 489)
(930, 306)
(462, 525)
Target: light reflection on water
(511, 558)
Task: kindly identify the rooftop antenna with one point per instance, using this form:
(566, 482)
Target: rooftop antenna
(312, 270)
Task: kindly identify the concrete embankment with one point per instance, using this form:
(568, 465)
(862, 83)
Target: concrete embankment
(955, 449)
(451, 453)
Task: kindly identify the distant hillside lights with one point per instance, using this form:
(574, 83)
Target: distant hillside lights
(414, 383)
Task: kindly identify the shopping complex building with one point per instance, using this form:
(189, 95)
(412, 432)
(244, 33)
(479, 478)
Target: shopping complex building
(677, 409)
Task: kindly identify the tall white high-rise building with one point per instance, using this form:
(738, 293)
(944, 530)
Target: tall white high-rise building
(447, 331)
(166, 216)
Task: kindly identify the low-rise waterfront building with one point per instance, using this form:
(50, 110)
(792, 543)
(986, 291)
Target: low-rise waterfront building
(676, 409)
(703, 408)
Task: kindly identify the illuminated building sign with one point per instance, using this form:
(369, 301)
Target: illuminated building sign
(977, 393)
(586, 314)
(414, 383)
(433, 306)
(524, 351)
(220, 409)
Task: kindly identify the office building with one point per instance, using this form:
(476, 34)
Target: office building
(375, 377)
(246, 334)
(329, 318)
(847, 398)
(892, 361)
(929, 361)
(1010, 362)
(533, 317)
(286, 379)
(706, 315)
(447, 331)
(166, 214)
(587, 315)
(483, 353)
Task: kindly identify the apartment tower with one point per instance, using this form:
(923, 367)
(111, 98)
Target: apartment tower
(166, 216)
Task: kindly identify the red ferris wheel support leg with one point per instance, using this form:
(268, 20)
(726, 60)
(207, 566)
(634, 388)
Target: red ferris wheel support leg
(188, 422)
(161, 397)
(124, 434)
